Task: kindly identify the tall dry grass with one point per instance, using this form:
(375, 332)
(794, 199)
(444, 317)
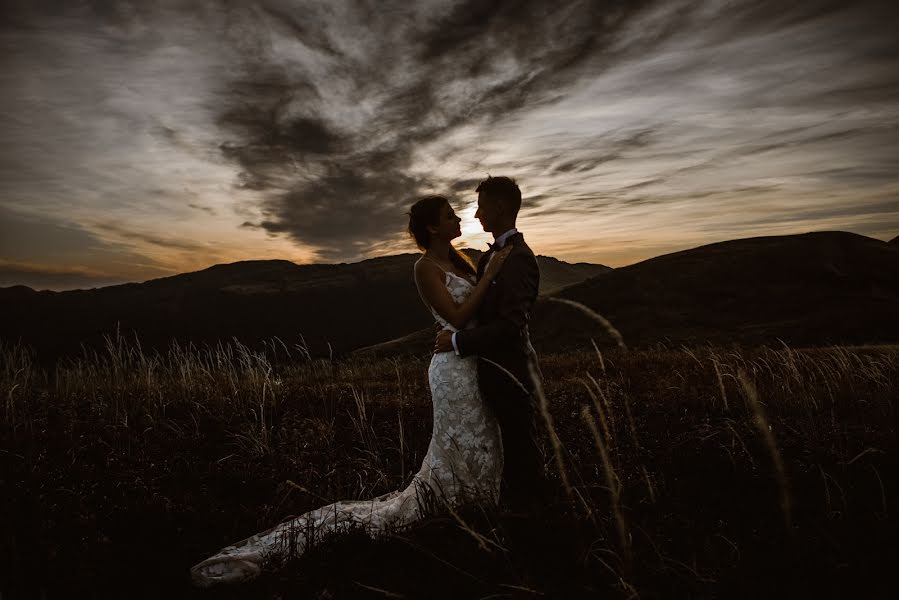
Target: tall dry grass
(667, 459)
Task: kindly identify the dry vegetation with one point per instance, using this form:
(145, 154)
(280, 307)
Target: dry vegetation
(681, 472)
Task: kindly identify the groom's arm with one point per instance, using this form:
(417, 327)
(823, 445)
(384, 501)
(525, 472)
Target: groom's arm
(520, 280)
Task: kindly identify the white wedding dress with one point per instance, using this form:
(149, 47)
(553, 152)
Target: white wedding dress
(464, 462)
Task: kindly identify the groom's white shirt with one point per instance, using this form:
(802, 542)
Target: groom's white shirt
(497, 245)
(501, 240)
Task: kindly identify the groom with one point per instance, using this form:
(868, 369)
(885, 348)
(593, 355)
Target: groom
(502, 343)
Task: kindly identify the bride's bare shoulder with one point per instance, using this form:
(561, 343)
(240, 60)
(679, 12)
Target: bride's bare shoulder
(425, 268)
(427, 264)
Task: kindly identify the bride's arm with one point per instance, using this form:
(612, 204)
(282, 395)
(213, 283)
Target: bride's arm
(431, 283)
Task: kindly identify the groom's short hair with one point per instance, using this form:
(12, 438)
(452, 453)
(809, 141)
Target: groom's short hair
(503, 189)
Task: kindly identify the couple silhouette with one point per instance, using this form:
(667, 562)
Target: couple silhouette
(482, 378)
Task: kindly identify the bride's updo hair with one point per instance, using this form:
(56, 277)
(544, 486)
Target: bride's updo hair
(426, 212)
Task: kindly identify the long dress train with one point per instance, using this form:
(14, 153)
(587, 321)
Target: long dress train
(464, 461)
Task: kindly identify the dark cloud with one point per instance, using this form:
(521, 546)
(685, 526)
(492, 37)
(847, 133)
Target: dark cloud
(123, 231)
(291, 19)
(337, 186)
(465, 185)
(875, 209)
(594, 151)
(206, 209)
(764, 16)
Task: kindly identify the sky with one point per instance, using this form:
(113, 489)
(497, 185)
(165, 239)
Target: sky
(144, 139)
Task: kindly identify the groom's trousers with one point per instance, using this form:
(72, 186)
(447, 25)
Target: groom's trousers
(524, 485)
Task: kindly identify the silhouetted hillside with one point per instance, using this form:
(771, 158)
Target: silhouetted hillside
(344, 305)
(895, 240)
(554, 273)
(816, 288)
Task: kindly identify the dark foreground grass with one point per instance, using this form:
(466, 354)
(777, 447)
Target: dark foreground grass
(703, 472)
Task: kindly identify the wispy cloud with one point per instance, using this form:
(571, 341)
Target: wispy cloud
(332, 122)
(181, 134)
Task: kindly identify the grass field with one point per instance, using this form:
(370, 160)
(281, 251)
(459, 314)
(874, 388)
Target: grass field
(679, 472)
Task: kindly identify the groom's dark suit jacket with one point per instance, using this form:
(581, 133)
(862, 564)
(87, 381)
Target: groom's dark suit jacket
(502, 331)
(501, 336)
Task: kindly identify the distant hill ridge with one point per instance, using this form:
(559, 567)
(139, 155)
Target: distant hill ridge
(331, 307)
(809, 289)
(815, 288)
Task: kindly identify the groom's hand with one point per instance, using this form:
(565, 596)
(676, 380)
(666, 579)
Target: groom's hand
(444, 342)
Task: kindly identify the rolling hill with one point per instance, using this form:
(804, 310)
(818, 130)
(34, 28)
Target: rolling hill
(809, 289)
(330, 307)
(816, 288)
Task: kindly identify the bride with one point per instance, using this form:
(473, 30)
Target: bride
(465, 456)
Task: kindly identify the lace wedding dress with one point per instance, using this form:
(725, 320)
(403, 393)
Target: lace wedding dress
(464, 461)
